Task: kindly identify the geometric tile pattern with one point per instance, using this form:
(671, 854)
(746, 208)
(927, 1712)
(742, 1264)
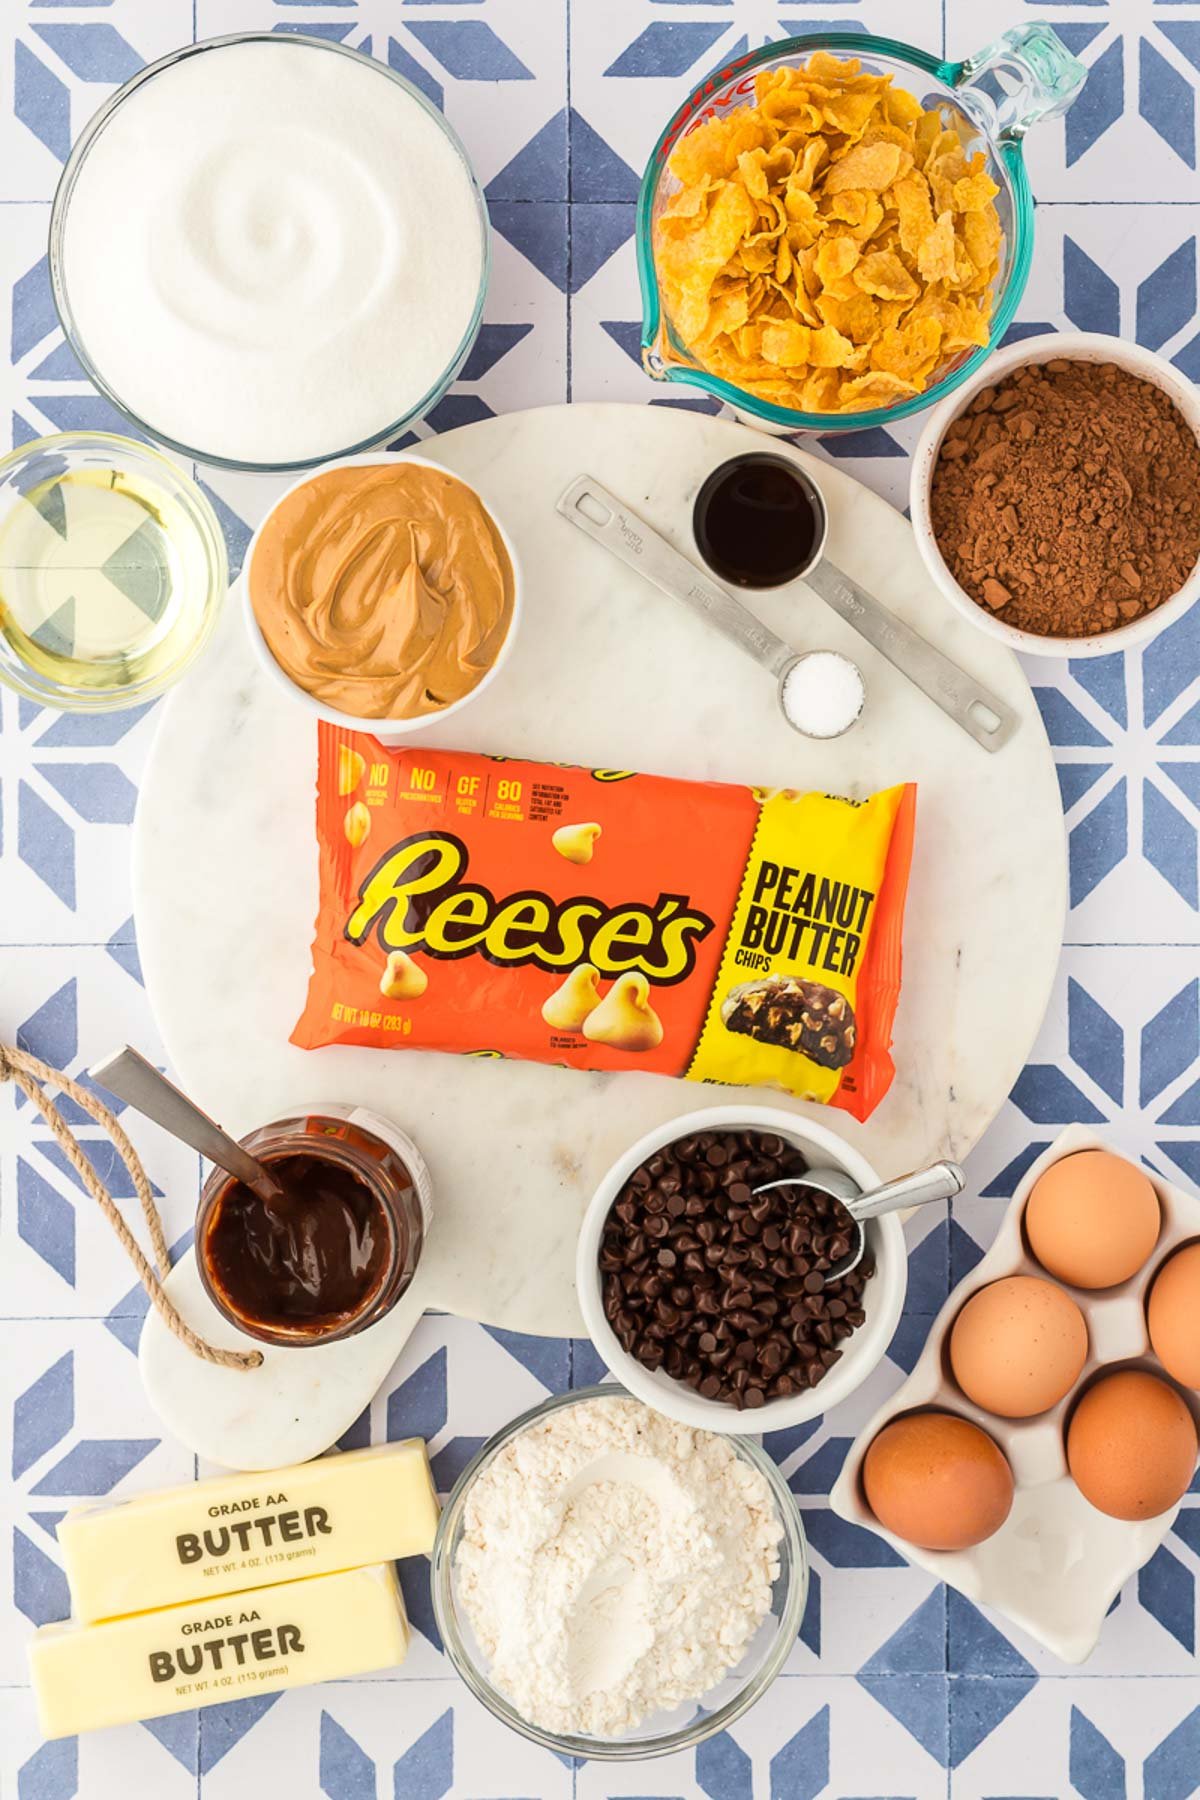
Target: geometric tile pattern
(894, 1686)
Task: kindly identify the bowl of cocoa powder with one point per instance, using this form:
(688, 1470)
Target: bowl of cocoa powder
(1055, 498)
(709, 1298)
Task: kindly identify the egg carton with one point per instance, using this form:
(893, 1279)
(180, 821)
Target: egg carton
(1056, 1563)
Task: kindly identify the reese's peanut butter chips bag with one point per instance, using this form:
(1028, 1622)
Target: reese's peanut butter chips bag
(606, 920)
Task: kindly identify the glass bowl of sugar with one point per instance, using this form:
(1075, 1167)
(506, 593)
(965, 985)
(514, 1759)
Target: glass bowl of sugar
(614, 1585)
(268, 250)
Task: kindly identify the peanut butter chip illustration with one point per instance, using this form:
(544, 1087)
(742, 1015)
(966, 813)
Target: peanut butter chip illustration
(625, 1019)
(573, 1002)
(357, 824)
(576, 842)
(402, 979)
(351, 769)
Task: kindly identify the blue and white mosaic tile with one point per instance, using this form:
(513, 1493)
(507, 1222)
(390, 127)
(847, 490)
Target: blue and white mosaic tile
(894, 1687)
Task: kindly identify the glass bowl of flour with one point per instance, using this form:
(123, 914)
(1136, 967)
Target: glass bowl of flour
(613, 1584)
(268, 250)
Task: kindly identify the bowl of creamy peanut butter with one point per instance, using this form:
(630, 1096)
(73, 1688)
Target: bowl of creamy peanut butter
(381, 592)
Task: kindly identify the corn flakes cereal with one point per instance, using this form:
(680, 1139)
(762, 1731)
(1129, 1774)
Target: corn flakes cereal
(831, 246)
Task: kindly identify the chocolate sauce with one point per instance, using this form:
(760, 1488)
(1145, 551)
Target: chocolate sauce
(310, 1261)
(757, 522)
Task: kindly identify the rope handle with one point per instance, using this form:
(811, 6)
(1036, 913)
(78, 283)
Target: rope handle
(33, 1077)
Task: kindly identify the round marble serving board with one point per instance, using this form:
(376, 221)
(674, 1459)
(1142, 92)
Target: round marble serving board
(606, 671)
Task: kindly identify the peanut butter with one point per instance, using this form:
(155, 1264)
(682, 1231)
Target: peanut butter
(382, 589)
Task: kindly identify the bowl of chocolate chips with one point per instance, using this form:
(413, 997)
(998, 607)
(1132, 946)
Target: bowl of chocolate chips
(704, 1271)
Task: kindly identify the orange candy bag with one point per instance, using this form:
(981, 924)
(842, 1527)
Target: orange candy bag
(601, 919)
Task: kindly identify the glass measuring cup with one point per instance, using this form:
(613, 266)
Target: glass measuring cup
(993, 98)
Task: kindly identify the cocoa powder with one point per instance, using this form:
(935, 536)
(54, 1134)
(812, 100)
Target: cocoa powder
(1066, 499)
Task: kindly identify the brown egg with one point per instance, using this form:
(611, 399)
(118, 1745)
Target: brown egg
(1018, 1345)
(1131, 1445)
(937, 1481)
(1092, 1219)
(1173, 1315)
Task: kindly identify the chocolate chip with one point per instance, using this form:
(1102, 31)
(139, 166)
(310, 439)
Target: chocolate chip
(722, 1287)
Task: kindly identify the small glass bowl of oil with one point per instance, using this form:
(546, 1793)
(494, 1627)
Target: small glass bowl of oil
(112, 571)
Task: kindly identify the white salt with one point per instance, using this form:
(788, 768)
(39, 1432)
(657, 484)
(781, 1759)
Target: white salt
(823, 694)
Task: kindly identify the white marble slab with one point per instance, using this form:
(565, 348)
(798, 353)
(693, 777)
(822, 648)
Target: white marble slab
(608, 672)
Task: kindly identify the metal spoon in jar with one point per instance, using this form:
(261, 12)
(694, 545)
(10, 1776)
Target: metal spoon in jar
(131, 1078)
(941, 1181)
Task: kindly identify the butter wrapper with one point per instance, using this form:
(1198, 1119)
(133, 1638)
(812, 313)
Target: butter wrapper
(246, 1531)
(86, 1677)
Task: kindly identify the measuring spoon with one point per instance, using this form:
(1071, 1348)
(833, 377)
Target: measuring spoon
(609, 522)
(603, 518)
(941, 1181)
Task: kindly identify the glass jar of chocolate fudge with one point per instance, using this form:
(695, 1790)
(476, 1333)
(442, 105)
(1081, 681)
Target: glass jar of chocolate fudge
(332, 1251)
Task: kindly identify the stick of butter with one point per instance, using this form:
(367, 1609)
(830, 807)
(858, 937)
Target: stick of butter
(86, 1677)
(246, 1531)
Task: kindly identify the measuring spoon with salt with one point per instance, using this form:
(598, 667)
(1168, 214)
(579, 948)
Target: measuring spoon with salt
(605, 519)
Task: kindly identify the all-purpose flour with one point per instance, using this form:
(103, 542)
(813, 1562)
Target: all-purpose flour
(614, 1564)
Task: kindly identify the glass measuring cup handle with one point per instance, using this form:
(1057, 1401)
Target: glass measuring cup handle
(1035, 73)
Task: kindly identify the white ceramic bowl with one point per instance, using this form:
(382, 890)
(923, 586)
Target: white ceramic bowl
(1078, 346)
(388, 731)
(883, 1296)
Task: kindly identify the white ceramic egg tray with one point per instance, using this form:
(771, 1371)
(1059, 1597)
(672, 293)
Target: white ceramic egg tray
(1056, 1563)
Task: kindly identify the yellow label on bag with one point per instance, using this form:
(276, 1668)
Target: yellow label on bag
(788, 977)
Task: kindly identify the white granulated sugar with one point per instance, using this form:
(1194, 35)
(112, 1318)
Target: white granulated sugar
(272, 250)
(614, 1564)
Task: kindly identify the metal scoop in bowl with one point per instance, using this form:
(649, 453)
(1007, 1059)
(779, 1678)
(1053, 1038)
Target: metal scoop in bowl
(941, 1181)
